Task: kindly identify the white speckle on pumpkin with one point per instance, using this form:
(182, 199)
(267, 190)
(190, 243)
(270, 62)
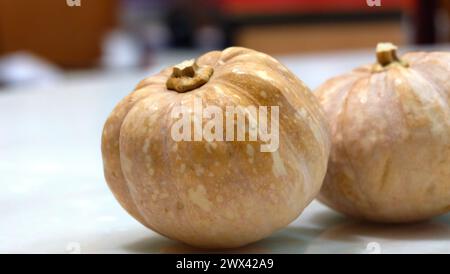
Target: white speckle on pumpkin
(398, 82)
(146, 145)
(282, 68)
(263, 94)
(301, 113)
(199, 170)
(317, 131)
(264, 75)
(182, 167)
(149, 164)
(199, 197)
(278, 167)
(250, 150)
(175, 147)
(237, 71)
(363, 98)
(126, 164)
(208, 148)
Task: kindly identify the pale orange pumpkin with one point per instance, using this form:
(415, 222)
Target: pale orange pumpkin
(216, 194)
(390, 129)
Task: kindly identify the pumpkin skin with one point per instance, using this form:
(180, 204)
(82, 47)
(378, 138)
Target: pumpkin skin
(218, 194)
(390, 132)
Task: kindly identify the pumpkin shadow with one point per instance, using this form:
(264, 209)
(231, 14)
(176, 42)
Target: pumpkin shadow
(434, 229)
(292, 239)
(327, 218)
(330, 233)
(288, 240)
(354, 236)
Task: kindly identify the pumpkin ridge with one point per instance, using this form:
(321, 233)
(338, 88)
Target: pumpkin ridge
(444, 66)
(127, 199)
(363, 197)
(131, 109)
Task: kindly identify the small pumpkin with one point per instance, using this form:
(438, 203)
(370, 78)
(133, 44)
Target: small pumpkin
(212, 193)
(390, 131)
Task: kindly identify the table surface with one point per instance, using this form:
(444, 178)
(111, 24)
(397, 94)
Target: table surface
(54, 199)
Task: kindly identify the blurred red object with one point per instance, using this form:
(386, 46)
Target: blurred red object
(308, 6)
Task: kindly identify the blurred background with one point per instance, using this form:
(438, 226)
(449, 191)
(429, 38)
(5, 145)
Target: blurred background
(41, 39)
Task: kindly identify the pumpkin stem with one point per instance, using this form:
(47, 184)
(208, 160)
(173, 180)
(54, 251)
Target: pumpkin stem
(188, 75)
(387, 54)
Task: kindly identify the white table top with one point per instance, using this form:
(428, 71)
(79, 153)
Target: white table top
(54, 198)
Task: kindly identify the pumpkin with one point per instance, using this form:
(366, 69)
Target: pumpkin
(390, 132)
(216, 193)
